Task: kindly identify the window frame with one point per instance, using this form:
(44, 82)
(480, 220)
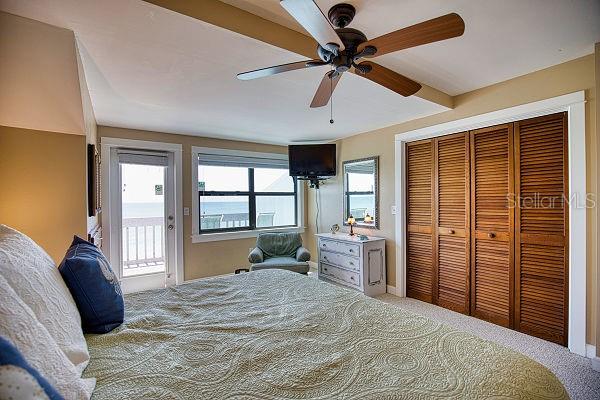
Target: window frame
(207, 235)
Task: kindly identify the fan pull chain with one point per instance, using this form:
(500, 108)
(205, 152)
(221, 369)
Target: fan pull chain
(331, 98)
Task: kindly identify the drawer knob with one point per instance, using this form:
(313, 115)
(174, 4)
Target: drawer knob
(491, 235)
(352, 278)
(351, 263)
(451, 231)
(324, 269)
(325, 258)
(351, 251)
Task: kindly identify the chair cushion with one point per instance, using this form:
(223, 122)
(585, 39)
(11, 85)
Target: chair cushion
(33, 275)
(19, 325)
(18, 380)
(279, 244)
(288, 263)
(256, 256)
(94, 286)
(302, 254)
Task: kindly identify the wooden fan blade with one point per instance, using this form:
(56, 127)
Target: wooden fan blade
(388, 78)
(325, 89)
(310, 16)
(441, 28)
(260, 73)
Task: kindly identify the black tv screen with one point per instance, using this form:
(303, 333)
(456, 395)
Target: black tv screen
(312, 160)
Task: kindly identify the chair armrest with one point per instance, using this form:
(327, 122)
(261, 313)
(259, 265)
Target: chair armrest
(302, 254)
(256, 256)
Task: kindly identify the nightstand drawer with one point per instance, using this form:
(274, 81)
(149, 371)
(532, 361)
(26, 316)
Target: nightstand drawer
(350, 249)
(343, 275)
(340, 260)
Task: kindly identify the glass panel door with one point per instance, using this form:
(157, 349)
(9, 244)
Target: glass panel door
(142, 219)
(144, 233)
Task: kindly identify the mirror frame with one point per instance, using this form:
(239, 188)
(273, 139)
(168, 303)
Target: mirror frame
(375, 225)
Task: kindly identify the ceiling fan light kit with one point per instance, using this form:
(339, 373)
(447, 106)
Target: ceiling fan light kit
(342, 47)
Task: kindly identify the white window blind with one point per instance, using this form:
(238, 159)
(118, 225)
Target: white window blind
(244, 161)
(142, 158)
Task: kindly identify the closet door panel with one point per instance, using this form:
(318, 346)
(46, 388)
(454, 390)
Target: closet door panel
(492, 223)
(541, 276)
(419, 243)
(452, 236)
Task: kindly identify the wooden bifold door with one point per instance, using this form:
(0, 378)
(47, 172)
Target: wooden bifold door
(492, 252)
(487, 222)
(451, 222)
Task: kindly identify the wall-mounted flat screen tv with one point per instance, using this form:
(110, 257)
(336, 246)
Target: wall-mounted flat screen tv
(312, 160)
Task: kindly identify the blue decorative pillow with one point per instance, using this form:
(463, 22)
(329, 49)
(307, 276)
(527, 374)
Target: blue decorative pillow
(94, 287)
(18, 380)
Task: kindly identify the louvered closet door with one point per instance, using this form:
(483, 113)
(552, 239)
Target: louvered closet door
(451, 251)
(541, 273)
(419, 245)
(492, 223)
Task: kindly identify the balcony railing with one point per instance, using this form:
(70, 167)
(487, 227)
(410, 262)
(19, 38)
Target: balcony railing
(233, 220)
(143, 244)
(220, 221)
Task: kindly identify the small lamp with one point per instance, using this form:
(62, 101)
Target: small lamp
(368, 218)
(351, 221)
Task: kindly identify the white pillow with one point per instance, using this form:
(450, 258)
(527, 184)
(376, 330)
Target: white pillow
(20, 326)
(32, 274)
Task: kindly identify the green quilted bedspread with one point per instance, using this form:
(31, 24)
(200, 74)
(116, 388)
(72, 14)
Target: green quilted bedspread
(278, 335)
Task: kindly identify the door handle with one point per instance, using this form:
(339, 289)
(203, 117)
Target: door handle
(170, 227)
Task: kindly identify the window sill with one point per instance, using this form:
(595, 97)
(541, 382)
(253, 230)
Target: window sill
(214, 237)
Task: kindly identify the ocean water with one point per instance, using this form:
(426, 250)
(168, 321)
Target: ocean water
(142, 210)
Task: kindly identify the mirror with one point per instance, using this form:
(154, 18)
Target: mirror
(361, 192)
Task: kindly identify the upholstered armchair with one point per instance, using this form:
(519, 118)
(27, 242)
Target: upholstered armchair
(279, 250)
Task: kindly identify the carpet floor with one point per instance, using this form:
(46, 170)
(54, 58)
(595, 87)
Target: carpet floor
(574, 371)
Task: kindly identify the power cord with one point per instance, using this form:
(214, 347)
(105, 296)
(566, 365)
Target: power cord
(317, 194)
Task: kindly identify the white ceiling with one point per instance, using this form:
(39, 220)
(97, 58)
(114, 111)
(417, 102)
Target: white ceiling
(150, 68)
(503, 39)
(153, 69)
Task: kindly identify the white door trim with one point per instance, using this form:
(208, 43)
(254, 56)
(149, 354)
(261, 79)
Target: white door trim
(109, 143)
(574, 105)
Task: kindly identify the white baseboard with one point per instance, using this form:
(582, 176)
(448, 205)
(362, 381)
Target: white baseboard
(391, 290)
(590, 351)
(596, 364)
(313, 265)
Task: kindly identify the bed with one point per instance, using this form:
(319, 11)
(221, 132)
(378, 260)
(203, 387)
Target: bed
(274, 334)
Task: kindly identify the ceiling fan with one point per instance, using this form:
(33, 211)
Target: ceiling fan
(343, 47)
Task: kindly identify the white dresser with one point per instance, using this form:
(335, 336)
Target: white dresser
(357, 264)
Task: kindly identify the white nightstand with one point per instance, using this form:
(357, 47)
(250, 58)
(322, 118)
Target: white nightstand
(357, 264)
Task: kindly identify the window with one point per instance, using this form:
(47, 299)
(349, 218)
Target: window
(359, 182)
(243, 191)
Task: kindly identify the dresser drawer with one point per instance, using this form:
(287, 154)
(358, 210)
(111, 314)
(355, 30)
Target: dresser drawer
(329, 271)
(350, 249)
(340, 260)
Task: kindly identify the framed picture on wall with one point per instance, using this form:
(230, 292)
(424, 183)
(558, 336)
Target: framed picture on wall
(93, 180)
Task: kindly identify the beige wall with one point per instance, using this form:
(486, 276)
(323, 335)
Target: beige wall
(200, 259)
(43, 186)
(89, 126)
(42, 122)
(596, 244)
(561, 79)
(38, 77)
